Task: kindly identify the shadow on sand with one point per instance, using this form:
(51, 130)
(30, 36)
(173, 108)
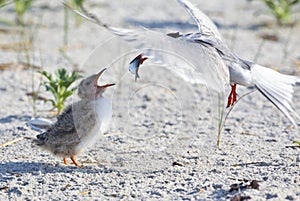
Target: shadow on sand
(11, 118)
(10, 170)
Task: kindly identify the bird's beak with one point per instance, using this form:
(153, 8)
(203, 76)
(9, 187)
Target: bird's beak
(139, 59)
(143, 59)
(105, 86)
(96, 81)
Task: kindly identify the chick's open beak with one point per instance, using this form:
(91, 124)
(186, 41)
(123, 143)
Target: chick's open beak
(96, 81)
(106, 85)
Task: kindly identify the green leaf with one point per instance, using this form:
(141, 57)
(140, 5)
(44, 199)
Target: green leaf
(78, 2)
(52, 102)
(58, 85)
(46, 75)
(67, 94)
(281, 9)
(21, 6)
(2, 3)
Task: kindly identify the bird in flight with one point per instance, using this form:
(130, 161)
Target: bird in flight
(204, 58)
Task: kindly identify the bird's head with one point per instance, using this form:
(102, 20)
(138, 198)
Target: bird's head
(89, 88)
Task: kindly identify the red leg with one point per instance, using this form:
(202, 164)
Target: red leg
(232, 96)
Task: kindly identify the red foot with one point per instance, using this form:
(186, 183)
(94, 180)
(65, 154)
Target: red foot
(232, 96)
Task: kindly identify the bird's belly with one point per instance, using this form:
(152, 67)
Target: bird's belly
(104, 113)
(103, 110)
(239, 75)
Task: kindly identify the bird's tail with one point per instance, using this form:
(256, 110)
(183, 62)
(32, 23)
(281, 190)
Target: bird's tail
(276, 87)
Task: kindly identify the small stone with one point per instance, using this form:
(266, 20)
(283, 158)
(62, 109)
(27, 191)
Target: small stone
(289, 197)
(271, 196)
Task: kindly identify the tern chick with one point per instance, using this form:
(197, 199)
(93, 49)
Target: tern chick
(81, 123)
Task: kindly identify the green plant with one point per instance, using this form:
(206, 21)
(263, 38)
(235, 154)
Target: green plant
(281, 9)
(28, 34)
(21, 6)
(2, 3)
(223, 115)
(77, 4)
(59, 85)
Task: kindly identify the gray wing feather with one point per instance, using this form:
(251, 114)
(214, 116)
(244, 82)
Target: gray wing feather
(205, 25)
(65, 122)
(193, 62)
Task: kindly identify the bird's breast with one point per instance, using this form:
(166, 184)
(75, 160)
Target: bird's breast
(103, 109)
(239, 75)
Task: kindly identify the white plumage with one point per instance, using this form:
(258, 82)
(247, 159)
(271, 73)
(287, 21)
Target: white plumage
(103, 110)
(204, 58)
(81, 124)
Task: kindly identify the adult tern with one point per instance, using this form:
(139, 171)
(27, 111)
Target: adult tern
(208, 60)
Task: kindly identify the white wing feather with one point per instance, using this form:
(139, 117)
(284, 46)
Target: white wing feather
(197, 63)
(205, 25)
(193, 62)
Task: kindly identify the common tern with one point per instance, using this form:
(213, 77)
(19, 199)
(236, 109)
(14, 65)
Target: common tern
(208, 60)
(81, 123)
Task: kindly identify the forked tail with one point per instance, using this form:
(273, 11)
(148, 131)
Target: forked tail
(276, 87)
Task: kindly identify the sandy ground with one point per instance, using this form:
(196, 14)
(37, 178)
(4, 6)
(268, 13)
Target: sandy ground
(162, 140)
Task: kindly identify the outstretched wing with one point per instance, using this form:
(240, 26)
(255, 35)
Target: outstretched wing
(205, 24)
(194, 62)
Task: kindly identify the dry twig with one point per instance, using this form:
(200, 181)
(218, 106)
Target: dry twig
(11, 142)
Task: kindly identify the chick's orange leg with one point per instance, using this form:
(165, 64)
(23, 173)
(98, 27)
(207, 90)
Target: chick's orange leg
(232, 96)
(65, 161)
(74, 161)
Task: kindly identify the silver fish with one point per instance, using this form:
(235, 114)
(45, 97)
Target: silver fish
(134, 65)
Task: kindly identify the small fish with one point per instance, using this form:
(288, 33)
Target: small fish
(134, 65)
